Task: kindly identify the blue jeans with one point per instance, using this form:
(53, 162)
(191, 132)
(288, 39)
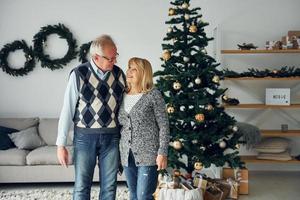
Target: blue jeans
(141, 180)
(87, 149)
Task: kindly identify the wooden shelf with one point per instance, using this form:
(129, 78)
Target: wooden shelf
(279, 133)
(253, 159)
(264, 78)
(262, 106)
(259, 51)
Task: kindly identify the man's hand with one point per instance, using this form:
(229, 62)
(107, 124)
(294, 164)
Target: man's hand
(161, 162)
(63, 156)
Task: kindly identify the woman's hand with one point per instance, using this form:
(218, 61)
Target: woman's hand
(161, 162)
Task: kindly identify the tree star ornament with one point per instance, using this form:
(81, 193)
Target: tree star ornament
(176, 85)
(216, 79)
(200, 117)
(182, 108)
(166, 55)
(185, 5)
(202, 148)
(177, 145)
(193, 29)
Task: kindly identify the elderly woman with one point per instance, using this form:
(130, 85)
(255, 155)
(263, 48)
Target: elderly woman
(145, 131)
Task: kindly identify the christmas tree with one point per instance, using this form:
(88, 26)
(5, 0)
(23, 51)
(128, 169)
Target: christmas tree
(190, 84)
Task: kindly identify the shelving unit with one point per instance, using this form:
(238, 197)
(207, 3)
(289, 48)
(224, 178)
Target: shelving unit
(260, 51)
(262, 106)
(266, 133)
(278, 133)
(253, 159)
(263, 79)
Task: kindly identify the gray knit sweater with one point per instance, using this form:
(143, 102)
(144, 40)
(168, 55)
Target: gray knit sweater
(145, 130)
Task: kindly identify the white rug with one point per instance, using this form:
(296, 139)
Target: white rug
(54, 194)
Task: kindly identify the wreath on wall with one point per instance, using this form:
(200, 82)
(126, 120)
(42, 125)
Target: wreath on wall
(40, 39)
(84, 49)
(29, 55)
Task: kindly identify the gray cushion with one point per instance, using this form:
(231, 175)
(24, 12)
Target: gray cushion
(46, 156)
(284, 156)
(48, 131)
(27, 139)
(19, 123)
(13, 157)
(273, 145)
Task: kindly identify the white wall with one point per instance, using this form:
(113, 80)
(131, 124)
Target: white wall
(138, 28)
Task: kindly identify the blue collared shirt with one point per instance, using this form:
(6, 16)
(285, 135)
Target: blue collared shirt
(69, 105)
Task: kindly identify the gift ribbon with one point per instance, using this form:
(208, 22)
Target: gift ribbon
(234, 193)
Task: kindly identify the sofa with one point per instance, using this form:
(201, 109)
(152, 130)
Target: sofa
(39, 164)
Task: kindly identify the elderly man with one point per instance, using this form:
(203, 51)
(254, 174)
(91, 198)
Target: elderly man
(92, 99)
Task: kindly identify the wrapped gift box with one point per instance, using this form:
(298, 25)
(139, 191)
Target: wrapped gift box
(241, 175)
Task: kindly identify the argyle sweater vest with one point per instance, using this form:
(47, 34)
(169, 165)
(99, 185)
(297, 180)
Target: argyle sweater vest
(99, 100)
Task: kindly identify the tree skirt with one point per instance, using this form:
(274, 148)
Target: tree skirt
(54, 194)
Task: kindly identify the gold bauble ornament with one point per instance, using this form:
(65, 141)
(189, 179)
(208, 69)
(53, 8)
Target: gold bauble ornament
(186, 59)
(200, 117)
(171, 11)
(198, 81)
(194, 141)
(186, 17)
(237, 146)
(185, 5)
(222, 144)
(198, 166)
(274, 71)
(209, 107)
(224, 97)
(176, 85)
(176, 172)
(170, 109)
(177, 145)
(193, 29)
(202, 148)
(166, 55)
(235, 128)
(216, 79)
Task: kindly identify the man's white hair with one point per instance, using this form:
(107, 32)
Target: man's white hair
(99, 43)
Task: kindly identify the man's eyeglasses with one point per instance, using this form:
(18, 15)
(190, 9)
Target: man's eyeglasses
(110, 59)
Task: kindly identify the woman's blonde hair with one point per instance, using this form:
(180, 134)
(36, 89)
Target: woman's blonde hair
(144, 68)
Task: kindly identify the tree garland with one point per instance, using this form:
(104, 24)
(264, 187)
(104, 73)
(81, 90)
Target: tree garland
(283, 72)
(29, 55)
(40, 38)
(84, 49)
